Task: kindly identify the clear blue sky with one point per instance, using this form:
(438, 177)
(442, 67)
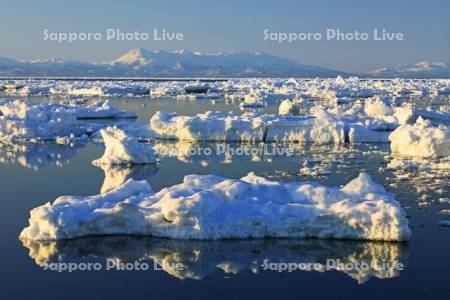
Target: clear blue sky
(232, 25)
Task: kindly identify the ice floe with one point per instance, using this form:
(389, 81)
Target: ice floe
(121, 149)
(291, 107)
(421, 140)
(209, 126)
(212, 207)
(25, 121)
(322, 128)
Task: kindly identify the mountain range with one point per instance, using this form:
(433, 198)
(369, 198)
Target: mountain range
(139, 62)
(423, 69)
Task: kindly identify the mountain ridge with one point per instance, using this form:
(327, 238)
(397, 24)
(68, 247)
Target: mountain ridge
(183, 63)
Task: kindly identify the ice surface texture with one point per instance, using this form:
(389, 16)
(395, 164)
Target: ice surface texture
(212, 207)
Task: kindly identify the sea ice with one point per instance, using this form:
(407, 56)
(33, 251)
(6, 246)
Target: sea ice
(21, 120)
(101, 110)
(25, 121)
(209, 126)
(212, 207)
(291, 107)
(421, 140)
(252, 100)
(121, 149)
(322, 128)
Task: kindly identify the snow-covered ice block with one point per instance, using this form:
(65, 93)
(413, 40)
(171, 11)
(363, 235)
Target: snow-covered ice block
(376, 108)
(209, 126)
(86, 91)
(212, 207)
(252, 100)
(290, 107)
(321, 128)
(361, 134)
(121, 149)
(421, 140)
(21, 120)
(102, 110)
(405, 114)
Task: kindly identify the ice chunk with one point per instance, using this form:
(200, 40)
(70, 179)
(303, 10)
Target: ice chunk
(102, 110)
(361, 134)
(121, 149)
(209, 126)
(21, 120)
(87, 91)
(404, 114)
(252, 100)
(321, 128)
(421, 140)
(25, 121)
(212, 207)
(376, 108)
(290, 107)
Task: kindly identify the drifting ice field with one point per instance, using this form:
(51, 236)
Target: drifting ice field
(307, 144)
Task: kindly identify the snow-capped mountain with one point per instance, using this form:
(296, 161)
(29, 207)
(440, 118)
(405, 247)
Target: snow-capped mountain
(139, 62)
(46, 67)
(424, 69)
(184, 63)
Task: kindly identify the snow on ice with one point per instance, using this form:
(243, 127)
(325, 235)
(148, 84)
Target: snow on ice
(121, 149)
(212, 207)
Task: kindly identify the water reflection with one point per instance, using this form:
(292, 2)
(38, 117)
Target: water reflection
(117, 175)
(37, 156)
(201, 258)
(230, 151)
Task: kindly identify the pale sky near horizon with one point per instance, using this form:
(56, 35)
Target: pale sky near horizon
(213, 26)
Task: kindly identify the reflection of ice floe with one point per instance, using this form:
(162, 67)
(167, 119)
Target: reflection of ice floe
(117, 175)
(37, 156)
(225, 152)
(212, 207)
(198, 259)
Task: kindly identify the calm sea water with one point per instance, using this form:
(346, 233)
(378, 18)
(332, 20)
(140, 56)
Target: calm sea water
(32, 175)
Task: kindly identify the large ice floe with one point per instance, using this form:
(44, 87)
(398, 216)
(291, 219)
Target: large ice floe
(25, 121)
(121, 149)
(212, 207)
(421, 140)
(209, 126)
(321, 127)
